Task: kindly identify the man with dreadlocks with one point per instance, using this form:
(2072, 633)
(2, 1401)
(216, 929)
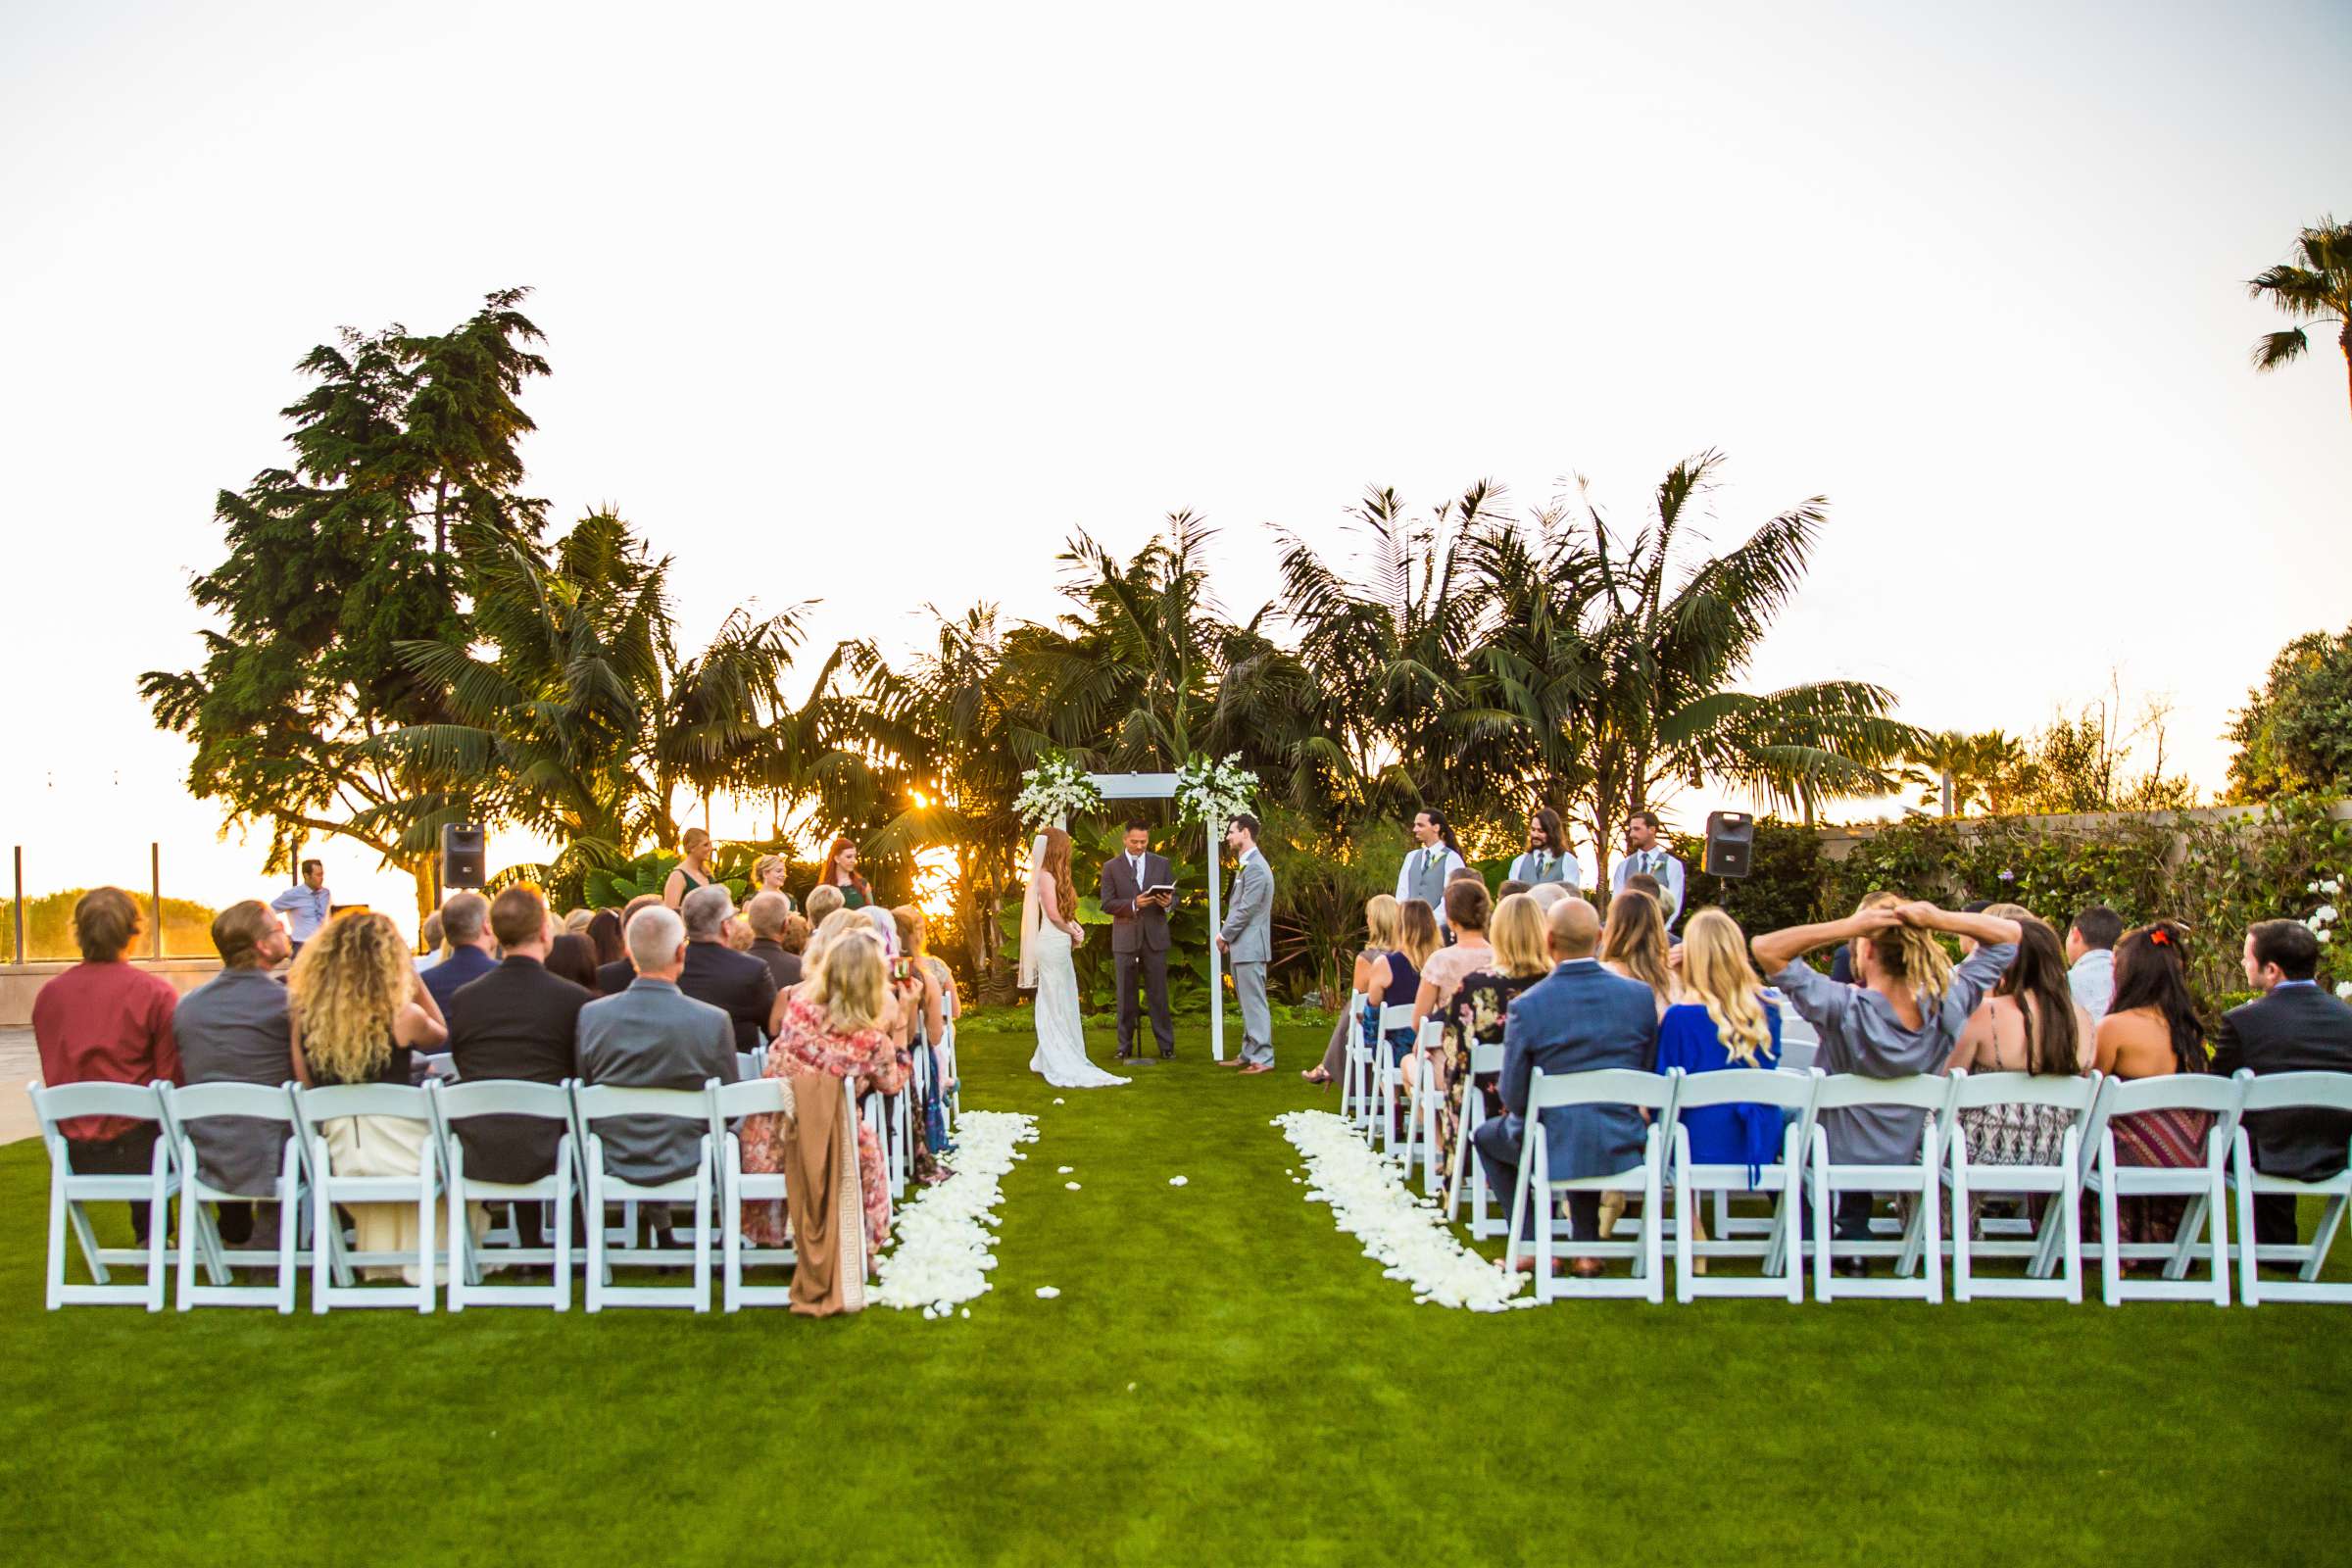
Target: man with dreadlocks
(1902, 1016)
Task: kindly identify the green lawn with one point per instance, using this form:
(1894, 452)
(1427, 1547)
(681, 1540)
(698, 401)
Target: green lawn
(1223, 1378)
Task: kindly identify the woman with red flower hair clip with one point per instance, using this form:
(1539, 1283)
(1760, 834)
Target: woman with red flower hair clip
(2151, 1029)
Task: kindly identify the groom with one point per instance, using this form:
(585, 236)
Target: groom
(1247, 941)
(1139, 938)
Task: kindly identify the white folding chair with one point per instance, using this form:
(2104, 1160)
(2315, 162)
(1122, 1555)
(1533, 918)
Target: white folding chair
(437, 1068)
(199, 1229)
(1466, 1167)
(1608, 1086)
(1355, 1065)
(729, 1105)
(505, 1097)
(2059, 1242)
(953, 1085)
(1780, 1246)
(1389, 1077)
(1920, 1245)
(2205, 1186)
(2283, 1091)
(332, 1265)
(69, 1190)
(595, 1102)
(898, 1146)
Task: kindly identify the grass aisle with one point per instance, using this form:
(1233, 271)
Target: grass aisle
(1224, 1377)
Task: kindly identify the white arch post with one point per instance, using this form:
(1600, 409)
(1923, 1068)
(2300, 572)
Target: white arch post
(1162, 787)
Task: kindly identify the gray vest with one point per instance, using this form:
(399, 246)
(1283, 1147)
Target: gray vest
(1427, 877)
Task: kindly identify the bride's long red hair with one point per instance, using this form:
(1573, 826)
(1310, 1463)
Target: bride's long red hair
(1056, 864)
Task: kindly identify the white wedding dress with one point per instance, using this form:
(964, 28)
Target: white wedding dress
(1060, 1057)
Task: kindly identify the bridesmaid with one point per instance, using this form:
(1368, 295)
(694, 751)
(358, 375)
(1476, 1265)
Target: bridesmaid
(767, 876)
(841, 871)
(693, 872)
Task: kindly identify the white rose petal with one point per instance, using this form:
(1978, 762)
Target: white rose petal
(1057, 1100)
(1047, 1292)
(1064, 1170)
(1176, 1181)
(1072, 1186)
(942, 1251)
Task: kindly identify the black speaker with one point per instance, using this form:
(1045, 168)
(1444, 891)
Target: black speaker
(1731, 844)
(463, 850)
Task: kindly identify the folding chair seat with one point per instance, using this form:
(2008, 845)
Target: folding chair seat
(729, 1105)
(1608, 1086)
(69, 1190)
(1921, 1244)
(458, 1104)
(332, 1264)
(2058, 1245)
(1465, 1169)
(200, 1230)
(2205, 1186)
(595, 1102)
(2283, 1091)
(1776, 1244)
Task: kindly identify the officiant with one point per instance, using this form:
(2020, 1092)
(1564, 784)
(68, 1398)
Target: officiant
(1137, 889)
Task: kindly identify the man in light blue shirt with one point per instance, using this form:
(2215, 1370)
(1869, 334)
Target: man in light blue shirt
(306, 906)
(2090, 958)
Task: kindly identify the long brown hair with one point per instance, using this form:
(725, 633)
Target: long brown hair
(1416, 932)
(833, 866)
(1635, 934)
(1056, 864)
(2151, 970)
(2036, 982)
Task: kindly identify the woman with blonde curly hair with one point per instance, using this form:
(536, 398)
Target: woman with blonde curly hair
(358, 1009)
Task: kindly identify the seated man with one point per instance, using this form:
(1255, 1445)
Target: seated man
(738, 983)
(518, 1021)
(1579, 1018)
(611, 979)
(2294, 1027)
(465, 927)
(767, 914)
(233, 1029)
(651, 1036)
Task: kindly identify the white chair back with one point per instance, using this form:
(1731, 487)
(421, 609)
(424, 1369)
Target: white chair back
(1920, 1092)
(2316, 1091)
(453, 1102)
(2285, 1091)
(332, 1264)
(200, 1239)
(595, 1102)
(1602, 1085)
(69, 1190)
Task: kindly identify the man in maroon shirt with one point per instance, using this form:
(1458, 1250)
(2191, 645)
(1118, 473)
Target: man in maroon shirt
(107, 1021)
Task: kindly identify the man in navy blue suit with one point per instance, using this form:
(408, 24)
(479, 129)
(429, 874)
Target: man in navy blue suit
(1579, 1018)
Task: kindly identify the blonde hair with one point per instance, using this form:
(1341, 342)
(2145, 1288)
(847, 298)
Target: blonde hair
(851, 985)
(1417, 932)
(1716, 972)
(347, 985)
(1907, 952)
(761, 867)
(840, 924)
(1635, 936)
(913, 930)
(694, 839)
(824, 900)
(1380, 924)
(1517, 933)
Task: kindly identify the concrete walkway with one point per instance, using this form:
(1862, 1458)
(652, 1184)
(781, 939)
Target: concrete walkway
(19, 1064)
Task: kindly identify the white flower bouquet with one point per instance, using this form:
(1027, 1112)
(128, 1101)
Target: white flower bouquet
(1212, 792)
(1056, 790)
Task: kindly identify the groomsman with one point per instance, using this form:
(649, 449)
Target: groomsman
(1547, 857)
(1643, 854)
(1426, 869)
(1248, 942)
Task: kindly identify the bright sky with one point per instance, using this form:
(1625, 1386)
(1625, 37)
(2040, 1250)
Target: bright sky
(874, 305)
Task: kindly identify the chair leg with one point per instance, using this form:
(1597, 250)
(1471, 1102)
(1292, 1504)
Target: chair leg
(1961, 1228)
(1825, 1236)
(702, 1236)
(322, 1241)
(2249, 1264)
(596, 1231)
(188, 1247)
(2323, 1240)
(564, 1207)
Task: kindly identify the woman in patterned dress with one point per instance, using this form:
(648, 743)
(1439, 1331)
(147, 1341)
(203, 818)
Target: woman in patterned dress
(2030, 1024)
(1476, 1015)
(2153, 1029)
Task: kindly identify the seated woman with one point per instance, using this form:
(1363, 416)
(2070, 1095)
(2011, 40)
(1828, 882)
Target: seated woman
(1475, 1015)
(1379, 939)
(2153, 1029)
(1468, 908)
(1388, 983)
(1633, 944)
(2030, 1024)
(1721, 1020)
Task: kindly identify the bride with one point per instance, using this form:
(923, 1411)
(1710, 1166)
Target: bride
(1050, 932)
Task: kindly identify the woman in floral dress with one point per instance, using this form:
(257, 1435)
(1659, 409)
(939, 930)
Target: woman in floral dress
(1476, 1013)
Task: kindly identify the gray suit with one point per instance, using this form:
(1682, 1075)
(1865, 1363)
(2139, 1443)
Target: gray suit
(1248, 932)
(232, 1029)
(653, 1036)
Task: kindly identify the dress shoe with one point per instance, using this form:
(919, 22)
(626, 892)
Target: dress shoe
(1588, 1268)
(1851, 1268)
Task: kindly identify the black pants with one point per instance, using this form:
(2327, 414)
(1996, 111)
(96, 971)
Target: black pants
(1499, 1151)
(1147, 971)
(130, 1153)
(2275, 1220)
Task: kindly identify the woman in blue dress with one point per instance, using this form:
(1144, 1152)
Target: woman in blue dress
(1722, 1021)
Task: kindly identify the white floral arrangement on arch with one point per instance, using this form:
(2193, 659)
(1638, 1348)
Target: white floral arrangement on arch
(1056, 790)
(2324, 917)
(1212, 792)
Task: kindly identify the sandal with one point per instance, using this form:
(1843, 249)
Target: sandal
(1315, 1075)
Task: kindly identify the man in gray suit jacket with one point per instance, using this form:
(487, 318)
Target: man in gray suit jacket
(654, 1036)
(1579, 1018)
(1248, 942)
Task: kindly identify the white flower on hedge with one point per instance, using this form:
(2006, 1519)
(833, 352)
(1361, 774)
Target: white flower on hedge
(2325, 914)
(1397, 1229)
(942, 1253)
(2343, 989)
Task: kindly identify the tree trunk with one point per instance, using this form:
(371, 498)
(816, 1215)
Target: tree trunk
(2343, 341)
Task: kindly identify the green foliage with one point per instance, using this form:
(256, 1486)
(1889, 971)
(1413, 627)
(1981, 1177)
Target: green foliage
(2294, 735)
(1779, 890)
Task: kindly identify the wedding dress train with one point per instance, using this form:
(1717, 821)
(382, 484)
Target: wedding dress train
(1060, 1057)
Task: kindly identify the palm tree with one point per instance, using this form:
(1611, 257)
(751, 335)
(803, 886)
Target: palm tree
(2319, 289)
(1956, 770)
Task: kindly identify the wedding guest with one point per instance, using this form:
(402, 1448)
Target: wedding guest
(614, 975)
(2293, 1027)
(1723, 1019)
(829, 1041)
(1549, 894)
(692, 873)
(1430, 863)
(922, 1012)
(1509, 886)
(823, 901)
(795, 935)
(769, 873)
(235, 1029)
(915, 941)
(571, 957)
(1379, 939)
(1634, 945)
(429, 938)
(576, 922)
(1474, 1015)
(306, 906)
(737, 934)
(520, 1021)
(1467, 908)
(465, 927)
(107, 1021)
(1904, 1018)
(1645, 856)
(2153, 1029)
(1648, 886)
(2030, 1023)
(358, 1011)
(603, 937)
(738, 984)
(766, 916)
(1578, 1018)
(841, 872)
(654, 1036)
(1547, 860)
(2091, 950)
